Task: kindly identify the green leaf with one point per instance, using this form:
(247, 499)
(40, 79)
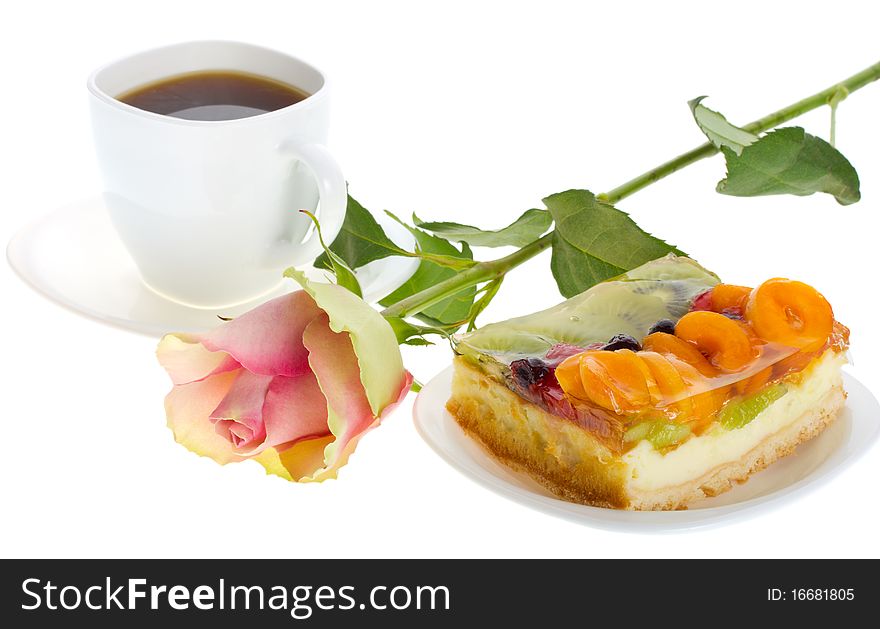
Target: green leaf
(489, 291)
(453, 309)
(594, 241)
(785, 161)
(403, 330)
(790, 161)
(519, 233)
(411, 334)
(718, 130)
(453, 261)
(417, 340)
(361, 239)
(344, 276)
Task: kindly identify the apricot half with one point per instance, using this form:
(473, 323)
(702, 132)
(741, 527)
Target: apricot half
(672, 389)
(722, 341)
(568, 375)
(670, 345)
(707, 397)
(618, 381)
(791, 313)
(729, 296)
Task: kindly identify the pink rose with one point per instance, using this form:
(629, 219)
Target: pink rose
(292, 384)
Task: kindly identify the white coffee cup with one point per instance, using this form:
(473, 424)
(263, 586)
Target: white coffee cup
(208, 210)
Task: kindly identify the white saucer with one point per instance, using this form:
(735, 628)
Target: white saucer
(74, 257)
(812, 464)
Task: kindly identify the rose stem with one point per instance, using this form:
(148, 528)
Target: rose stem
(490, 269)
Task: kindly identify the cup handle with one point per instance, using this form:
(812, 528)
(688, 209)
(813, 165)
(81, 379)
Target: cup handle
(333, 196)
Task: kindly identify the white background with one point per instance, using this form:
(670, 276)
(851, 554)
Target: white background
(468, 111)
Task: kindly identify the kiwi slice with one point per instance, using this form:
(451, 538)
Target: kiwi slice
(659, 432)
(631, 304)
(677, 295)
(671, 267)
(737, 414)
(638, 432)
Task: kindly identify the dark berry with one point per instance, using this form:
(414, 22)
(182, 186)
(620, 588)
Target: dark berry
(622, 341)
(528, 371)
(667, 326)
(733, 313)
(703, 301)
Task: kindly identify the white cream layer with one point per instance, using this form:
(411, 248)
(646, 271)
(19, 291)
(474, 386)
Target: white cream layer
(652, 470)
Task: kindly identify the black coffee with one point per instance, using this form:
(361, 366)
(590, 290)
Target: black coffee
(213, 95)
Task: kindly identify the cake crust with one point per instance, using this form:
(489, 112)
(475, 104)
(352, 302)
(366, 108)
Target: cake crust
(573, 465)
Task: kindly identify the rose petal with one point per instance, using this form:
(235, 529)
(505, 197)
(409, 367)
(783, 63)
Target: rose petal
(333, 361)
(374, 342)
(304, 462)
(344, 450)
(187, 360)
(268, 339)
(295, 409)
(239, 415)
(188, 407)
(335, 365)
(298, 462)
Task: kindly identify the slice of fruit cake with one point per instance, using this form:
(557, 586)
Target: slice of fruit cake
(653, 389)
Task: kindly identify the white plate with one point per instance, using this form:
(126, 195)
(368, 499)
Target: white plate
(74, 257)
(813, 463)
